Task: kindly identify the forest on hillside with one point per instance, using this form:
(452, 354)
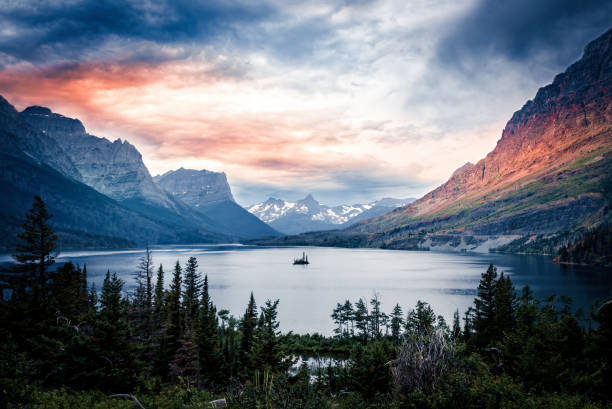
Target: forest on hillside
(69, 344)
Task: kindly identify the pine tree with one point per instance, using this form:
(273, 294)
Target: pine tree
(174, 311)
(247, 327)
(143, 301)
(159, 292)
(84, 290)
(34, 252)
(362, 318)
(191, 294)
(375, 316)
(484, 308)
(348, 316)
(397, 321)
(207, 338)
(505, 306)
(268, 354)
(468, 324)
(420, 321)
(92, 299)
(456, 330)
(117, 366)
(338, 318)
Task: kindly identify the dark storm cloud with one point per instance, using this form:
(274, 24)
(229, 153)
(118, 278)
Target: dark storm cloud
(39, 32)
(554, 31)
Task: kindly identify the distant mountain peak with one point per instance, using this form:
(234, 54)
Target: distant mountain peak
(196, 187)
(292, 217)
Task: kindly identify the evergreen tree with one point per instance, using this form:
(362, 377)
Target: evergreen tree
(92, 300)
(421, 320)
(247, 328)
(207, 338)
(484, 308)
(174, 311)
(34, 252)
(505, 306)
(159, 292)
(143, 301)
(348, 316)
(375, 316)
(191, 294)
(185, 360)
(117, 367)
(397, 322)
(456, 330)
(362, 318)
(268, 355)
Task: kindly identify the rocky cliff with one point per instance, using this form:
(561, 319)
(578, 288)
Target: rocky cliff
(114, 168)
(36, 144)
(196, 187)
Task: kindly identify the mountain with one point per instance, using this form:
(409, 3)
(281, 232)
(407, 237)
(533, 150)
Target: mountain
(114, 169)
(209, 193)
(33, 143)
(196, 187)
(310, 215)
(547, 180)
(33, 163)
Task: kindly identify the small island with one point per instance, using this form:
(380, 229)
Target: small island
(303, 260)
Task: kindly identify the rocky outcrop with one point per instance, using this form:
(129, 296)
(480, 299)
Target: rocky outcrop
(114, 168)
(33, 142)
(196, 187)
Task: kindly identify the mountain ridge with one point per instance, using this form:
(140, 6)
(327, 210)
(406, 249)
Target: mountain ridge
(308, 214)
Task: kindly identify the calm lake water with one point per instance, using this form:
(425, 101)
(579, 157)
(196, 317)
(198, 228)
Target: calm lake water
(308, 294)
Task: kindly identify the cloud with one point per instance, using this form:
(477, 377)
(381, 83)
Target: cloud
(546, 32)
(66, 30)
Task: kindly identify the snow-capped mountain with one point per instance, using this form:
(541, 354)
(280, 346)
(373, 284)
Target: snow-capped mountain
(309, 214)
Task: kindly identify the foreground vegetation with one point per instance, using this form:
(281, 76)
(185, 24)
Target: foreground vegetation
(67, 344)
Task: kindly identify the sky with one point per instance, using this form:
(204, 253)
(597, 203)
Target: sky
(349, 100)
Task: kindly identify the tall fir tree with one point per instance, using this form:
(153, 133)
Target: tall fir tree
(207, 338)
(143, 300)
(505, 306)
(362, 318)
(484, 308)
(117, 367)
(375, 316)
(174, 311)
(268, 355)
(247, 328)
(35, 252)
(456, 330)
(348, 316)
(397, 322)
(158, 301)
(191, 294)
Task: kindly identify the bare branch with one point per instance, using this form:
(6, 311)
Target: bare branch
(127, 396)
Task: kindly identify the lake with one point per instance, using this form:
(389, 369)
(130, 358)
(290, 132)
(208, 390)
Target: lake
(308, 293)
